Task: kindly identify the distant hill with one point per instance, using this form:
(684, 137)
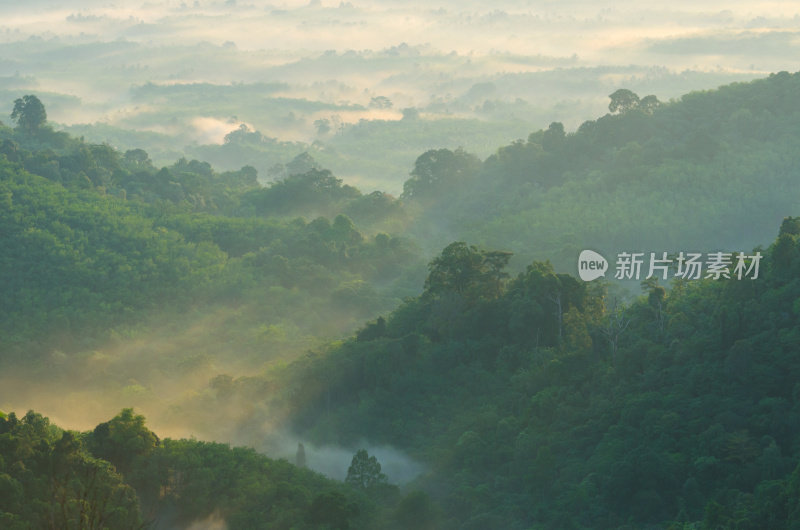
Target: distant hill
(713, 170)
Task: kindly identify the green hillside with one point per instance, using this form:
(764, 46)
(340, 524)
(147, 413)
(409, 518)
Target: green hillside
(530, 399)
(95, 239)
(540, 401)
(122, 476)
(712, 170)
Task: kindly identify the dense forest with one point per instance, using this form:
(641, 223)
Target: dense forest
(542, 403)
(218, 305)
(712, 170)
(94, 238)
(122, 476)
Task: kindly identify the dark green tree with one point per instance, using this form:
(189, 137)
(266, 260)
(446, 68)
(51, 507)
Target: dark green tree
(437, 171)
(790, 225)
(47, 480)
(365, 471)
(468, 271)
(553, 138)
(410, 113)
(302, 164)
(622, 101)
(138, 159)
(656, 300)
(10, 149)
(29, 114)
(648, 104)
(123, 439)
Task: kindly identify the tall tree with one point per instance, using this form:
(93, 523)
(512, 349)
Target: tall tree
(123, 439)
(622, 101)
(300, 456)
(553, 138)
(468, 271)
(29, 113)
(649, 103)
(365, 471)
(438, 172)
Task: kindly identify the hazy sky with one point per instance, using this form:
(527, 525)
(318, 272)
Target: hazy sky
(514, 60)
(682, 34)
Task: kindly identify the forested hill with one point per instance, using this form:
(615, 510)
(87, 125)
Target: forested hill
(715, 169)
(123, 284)
(536, 401)
(533, 400)
(96, 241)
(540, 401)
(121, 476)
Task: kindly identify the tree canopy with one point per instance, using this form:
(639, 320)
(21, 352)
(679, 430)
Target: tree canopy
(467, 271)
(623, 100)
(29, 114)
(365, 471)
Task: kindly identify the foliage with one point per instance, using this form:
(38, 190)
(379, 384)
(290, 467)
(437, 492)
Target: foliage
(438, 171)
(623, 100)
(711, 169)
(364, 471)
(29, 114)
(123, 440)
(315, 191)
(49, 480)
(535, 400)
(467, 271)
(95, 239)
(532, 415)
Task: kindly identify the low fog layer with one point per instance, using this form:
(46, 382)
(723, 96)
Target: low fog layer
(616, 32)
(311, 72)
(333, 461)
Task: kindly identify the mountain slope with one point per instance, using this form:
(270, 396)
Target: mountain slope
(546, 403)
